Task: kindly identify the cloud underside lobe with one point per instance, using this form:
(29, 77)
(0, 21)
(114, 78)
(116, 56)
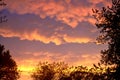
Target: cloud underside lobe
(35, 35)
(70, 12)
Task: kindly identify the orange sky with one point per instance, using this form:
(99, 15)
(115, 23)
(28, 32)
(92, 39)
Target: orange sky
(51, 30)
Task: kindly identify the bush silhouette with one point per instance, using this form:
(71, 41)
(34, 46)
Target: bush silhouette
(8, 67)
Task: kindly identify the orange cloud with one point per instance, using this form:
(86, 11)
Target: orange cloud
(105, 2)
(62, 10)
(35, 35)
(96, 1)
(70, 39)
(82, 59)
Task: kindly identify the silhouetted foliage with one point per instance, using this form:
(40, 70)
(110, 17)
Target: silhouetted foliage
(108, 21)
(65, 78)
(83, 73)
(49, 71)
(61, 71)
(8, 67)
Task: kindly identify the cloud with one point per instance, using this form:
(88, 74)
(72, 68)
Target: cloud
(105, 2)
(70, 58)
(70, 39)
(30, 27)
(34, 35)
(29, 53)
(47, 21)
(56, 38)
(63, 10)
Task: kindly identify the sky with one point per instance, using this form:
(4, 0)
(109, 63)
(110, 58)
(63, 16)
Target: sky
(51, 30)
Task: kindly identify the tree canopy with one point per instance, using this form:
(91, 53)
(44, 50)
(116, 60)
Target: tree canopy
(108, 22)
(61, 71)
(8, 67)
(49, 71)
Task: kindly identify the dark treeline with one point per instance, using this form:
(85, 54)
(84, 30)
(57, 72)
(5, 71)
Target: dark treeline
(51, 71)
(61, 71)
(108, 22)
(8, 67)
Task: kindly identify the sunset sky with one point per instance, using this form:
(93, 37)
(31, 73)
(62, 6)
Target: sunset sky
(51, 30)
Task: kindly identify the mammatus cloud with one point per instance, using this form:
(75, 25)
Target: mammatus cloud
(35, 35)
(64, 11)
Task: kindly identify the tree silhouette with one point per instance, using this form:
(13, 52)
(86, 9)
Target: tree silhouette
(108, 21)
(61, 71)
(49, 71)
(8, 67)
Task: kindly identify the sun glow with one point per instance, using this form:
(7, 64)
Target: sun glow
(25, 68)
(25, 72)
